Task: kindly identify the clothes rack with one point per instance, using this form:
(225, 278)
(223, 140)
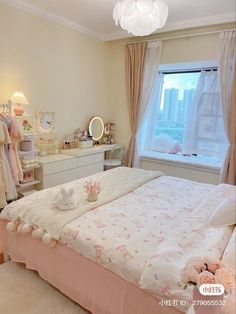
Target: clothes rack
(10, 166)
(6, 107)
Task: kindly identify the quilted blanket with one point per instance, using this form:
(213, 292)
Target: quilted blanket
(114, 183)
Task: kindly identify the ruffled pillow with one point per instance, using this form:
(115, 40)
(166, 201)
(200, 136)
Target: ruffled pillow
(224, 214)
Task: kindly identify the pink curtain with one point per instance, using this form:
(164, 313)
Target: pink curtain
(134, 61)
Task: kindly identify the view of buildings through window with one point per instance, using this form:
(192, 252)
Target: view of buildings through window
(177, 95)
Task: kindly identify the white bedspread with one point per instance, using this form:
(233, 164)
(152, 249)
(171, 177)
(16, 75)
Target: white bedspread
(114, 184)
(147, 235)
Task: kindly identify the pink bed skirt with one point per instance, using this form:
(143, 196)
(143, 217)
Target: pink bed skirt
(92, 286)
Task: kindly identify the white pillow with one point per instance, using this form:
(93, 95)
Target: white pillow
(230, 251)
(224, 214)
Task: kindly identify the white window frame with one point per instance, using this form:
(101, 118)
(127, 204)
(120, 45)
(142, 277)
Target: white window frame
(178, 67)
(187, 66)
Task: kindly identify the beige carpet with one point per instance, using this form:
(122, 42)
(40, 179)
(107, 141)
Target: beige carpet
(24, 292)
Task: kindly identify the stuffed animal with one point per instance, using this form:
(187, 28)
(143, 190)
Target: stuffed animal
(164, 143)
(65, 200)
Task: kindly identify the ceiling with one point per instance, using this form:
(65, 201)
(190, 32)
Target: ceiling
(94, 17)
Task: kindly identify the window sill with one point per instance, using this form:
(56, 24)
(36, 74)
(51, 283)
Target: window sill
(212, 164)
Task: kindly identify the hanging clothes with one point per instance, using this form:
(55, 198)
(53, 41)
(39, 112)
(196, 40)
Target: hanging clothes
(2, 187)
(15, 164)
(3, 202)
(9, 185)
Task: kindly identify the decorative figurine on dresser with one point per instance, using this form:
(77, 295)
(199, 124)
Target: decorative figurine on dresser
(108, 137)
(85, 141)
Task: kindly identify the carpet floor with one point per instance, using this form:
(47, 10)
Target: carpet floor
(23, 292)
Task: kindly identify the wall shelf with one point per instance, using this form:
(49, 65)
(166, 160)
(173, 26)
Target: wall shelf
(28, 192)
(30, 168)
(23, 186)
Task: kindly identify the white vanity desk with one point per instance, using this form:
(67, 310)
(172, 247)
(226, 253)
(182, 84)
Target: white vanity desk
(71, 164)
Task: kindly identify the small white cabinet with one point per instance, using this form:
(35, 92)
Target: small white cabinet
(89, 170)
(90, 164)
(58, 178)
(59, 166)
(60, 169)
(56, 170)
(71, 165)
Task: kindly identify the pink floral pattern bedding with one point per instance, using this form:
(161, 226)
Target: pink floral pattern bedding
(135, 235)
(142, 236)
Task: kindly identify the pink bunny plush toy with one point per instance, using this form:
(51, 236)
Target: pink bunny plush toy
(65, 200)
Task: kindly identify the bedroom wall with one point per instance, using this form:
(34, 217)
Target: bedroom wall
(57, 68)
(189, 49)
(76, 76)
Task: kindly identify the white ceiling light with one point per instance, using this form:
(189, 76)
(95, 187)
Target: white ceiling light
(140, 17)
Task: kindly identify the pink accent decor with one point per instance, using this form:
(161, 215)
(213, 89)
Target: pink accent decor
(19, 111)
(208, 270)
(92, 286)
(90, 186)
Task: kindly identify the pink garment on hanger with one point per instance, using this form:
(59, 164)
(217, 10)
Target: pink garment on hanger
(15, 164)
(3, 202)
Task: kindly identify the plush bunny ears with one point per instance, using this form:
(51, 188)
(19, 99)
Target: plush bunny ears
(67, 193)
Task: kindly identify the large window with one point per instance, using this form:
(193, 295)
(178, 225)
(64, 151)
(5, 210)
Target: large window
(189, 112)
(176, 97)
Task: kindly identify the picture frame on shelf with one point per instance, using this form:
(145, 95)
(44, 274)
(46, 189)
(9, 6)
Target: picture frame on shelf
(26, 124)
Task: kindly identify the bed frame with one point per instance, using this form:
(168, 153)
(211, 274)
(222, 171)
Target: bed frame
(87, 283)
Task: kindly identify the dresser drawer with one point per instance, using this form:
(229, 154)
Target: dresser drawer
(90, 159)
(86, 171)
(59, 178)
(59, 166)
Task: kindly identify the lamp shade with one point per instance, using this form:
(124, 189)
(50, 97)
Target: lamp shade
(18, 98)
(140, 17)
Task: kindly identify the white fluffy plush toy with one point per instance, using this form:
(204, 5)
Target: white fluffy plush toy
(65, 200)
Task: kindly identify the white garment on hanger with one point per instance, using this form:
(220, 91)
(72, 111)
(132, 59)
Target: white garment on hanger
(10, 188)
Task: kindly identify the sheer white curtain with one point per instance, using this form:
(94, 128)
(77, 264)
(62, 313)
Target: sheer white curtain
(227, 53)
(151, 119)
(152, 62)
(204, 131)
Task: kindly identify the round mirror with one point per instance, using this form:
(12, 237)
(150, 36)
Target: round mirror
(96, 128)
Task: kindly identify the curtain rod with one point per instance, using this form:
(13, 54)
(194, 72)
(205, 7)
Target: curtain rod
(192, 70)
(181, 36)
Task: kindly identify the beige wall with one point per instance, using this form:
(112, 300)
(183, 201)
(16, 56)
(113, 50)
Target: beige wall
(76, 76)
(189, 49)
(57, 68)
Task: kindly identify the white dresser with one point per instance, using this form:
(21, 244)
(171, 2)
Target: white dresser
(71, 165)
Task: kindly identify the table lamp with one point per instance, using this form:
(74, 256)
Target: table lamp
(18, 100)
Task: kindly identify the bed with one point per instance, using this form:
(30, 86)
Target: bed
(125, 256)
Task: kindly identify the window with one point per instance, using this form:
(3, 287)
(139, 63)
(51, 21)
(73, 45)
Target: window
(188, 112)
(176, 97)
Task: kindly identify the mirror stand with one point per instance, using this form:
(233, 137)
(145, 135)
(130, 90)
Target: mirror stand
(96, 129)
